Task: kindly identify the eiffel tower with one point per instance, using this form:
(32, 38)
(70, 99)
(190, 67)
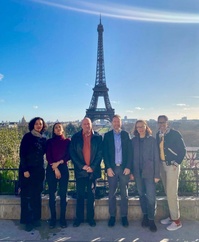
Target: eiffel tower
(100, 89)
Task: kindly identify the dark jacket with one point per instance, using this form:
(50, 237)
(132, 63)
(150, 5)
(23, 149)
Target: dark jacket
(150, 158)
(174, 147)
(32, 151)
(77, 157)
(109, 150)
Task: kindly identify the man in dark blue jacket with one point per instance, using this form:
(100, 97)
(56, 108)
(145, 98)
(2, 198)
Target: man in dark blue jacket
(117, 159)
(172, 151)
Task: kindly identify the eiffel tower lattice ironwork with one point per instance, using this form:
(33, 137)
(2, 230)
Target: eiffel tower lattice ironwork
(100, 89)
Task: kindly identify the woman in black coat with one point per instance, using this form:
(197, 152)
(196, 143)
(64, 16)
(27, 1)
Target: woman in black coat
(32, 173)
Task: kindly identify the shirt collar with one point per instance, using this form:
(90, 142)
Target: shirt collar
(166, 132)
(86, 135)
(117, 133)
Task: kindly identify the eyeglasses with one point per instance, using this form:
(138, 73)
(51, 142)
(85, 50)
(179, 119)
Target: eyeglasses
(140, 127)
(164, 122)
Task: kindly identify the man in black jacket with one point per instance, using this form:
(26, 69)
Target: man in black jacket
(117, 159)
(172, 151)
(86, 155)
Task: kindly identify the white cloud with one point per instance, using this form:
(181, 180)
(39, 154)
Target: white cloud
(88, 85)
(115, 102)
(129, 111)
(1, 77)
(139, 108)
(35, 107)
(123, 11)
(181, 105)
(195, 96)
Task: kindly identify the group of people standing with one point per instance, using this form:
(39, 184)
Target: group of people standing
(142, 158)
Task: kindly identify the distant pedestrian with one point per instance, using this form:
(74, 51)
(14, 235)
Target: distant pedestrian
(117, 159)
(31, 173)
(172, 152)
(146, 171)
(86, 155)
(57, 155)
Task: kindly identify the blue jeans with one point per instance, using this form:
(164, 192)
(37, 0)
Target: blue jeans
(147, 192)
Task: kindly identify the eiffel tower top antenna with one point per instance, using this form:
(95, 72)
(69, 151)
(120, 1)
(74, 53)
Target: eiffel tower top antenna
(100, 89)
(100, 69)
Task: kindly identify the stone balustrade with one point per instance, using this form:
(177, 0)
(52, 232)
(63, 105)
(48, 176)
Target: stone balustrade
(189, 207)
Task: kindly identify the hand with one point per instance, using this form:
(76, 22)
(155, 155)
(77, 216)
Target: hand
(26, 174)
(126, 171)
(174, 167)
(110, 172)
(57, 173)
(85, 167)
(56, 164)
(156, 180)
(89, 169)
(131, 177)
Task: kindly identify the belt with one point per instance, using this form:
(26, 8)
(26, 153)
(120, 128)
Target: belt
(118, 164)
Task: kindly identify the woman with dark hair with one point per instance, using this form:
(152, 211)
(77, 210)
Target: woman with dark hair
(146, 171)
(57, 155)
(31, 173)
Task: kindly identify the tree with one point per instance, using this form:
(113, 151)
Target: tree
(10, 139)
(71, 129)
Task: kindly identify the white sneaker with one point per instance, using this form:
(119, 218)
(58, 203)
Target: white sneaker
(166, 221)
(174, 226)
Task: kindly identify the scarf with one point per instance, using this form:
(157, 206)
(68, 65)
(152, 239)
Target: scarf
(35, 133)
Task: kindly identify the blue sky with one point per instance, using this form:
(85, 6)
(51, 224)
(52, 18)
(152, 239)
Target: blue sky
(48, 55)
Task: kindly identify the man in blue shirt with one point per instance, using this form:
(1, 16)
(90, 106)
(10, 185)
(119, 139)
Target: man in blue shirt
(117, 159)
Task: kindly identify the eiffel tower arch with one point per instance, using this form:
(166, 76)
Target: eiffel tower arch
(100, 89)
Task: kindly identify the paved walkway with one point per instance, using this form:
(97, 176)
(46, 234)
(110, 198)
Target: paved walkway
(11, 230)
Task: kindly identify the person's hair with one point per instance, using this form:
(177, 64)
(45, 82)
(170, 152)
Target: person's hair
(116, 116)
(32, 123)
(53, 130)
(148, 130)
(164, 117)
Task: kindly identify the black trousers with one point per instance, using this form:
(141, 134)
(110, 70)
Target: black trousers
(63, 187)
(85, 186)
(31, 189)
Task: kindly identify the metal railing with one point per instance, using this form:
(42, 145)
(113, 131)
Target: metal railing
(188, 182)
